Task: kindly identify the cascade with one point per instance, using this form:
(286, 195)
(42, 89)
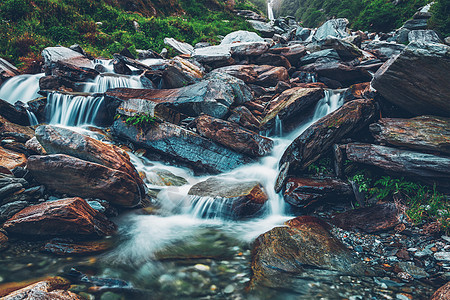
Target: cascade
(71, 110)
(106, 81)
(21, 88)
(32, 118)
(270, 10)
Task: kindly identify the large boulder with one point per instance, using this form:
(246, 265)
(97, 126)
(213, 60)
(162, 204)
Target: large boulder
(334, 27)
(55, 54)
(231, 199)
(233, 136)
(423, 36)
(183, 145)
(70, 216)
(301, 247)
(73, 176)
(15, 131)
(343, 73)
(427, 133)
(58, 140)
(241, 36)
(442, 293)
(13, 113)
(323, 55)
(180, 72)
(384, 50)
(212, 97)
(321, 136)
(181, 47)
(213, 54)
(291, 104)
(243, 116)
(265, 29)
(306, 192)
(420, 166)
(251, 48)
(293, 53)
(417, 79)
(264, 75)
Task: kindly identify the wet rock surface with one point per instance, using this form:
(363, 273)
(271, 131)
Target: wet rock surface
(67, 174)
(71, 217)
(416, 79)
(234, 137)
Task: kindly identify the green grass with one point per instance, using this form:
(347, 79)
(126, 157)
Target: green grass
(27, 27)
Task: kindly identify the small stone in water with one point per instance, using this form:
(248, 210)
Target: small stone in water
(443, 256)
(228, 289)
(201, 267)
(403, 297)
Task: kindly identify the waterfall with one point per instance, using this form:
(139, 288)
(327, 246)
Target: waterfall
(270, 10)
(72, 110)
(106, 81)
(21, 88)
(32, 118)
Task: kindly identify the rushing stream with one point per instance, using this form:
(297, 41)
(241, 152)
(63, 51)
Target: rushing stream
(185, 248)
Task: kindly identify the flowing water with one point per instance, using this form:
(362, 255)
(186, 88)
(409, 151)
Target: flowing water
(21, 88)
(270, 10)
(106, 81)
(185, 249)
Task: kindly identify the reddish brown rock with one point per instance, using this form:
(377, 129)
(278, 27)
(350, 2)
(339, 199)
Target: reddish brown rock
(3, 241)
(293, 53)
(70, 216)
(63, 247)
(233, 199)
(443, 293)
(427, 133)
(73, 176)
(53, 288)
(290, 104)
(58, 140)
(341, 72)
(233, 136)
(301, 246)
(321, 136)
(270, 76)
(244, 72)
(15, 131)
(359, 91)
(242, 115)
(304, 192)
(10, 159)
(370, 219)
(13, 113)
(273, 60)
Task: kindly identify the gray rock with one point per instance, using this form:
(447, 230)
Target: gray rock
(335, 27)
(417, 79)
(55, 54)
(442, 256)
(241, 36)
(401, 36)
(10, 209)
(183, 48)
(384, 50)
(265, 29)
(415, 24)
(423, 36)
(250, 48)
(212, 54)
(326, 55)
(302, 34)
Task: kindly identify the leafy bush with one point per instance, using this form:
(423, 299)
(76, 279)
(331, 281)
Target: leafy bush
(440, 19)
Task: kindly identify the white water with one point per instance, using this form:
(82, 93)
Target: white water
(32, 118)
(70, 110)
(106, 81)
(179, 219)
(270, 10)
(21, 88)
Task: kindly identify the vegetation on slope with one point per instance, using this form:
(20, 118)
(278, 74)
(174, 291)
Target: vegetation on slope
(103, 27)
(371, 15)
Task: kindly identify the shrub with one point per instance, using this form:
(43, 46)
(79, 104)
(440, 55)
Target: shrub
(14, 9)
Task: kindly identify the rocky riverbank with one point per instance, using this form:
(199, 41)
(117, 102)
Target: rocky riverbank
(348, 119)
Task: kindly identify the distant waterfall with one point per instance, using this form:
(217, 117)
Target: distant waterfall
(21, 88)
(270, 10)
(104, 82)
(71, 110)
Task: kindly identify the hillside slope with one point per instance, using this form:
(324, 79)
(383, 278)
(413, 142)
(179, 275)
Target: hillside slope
(103, 27)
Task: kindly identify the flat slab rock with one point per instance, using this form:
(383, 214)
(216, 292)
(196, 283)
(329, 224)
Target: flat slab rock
(70, 216)
(321, 136)
(427, 133)
(303, 245)
(443, 293)
(64, 247)
(422, 166)
(304, 192)
(378, 217)
(183, 145)
(73, 176)
(233, 136)
(417, 79)
(10, 159)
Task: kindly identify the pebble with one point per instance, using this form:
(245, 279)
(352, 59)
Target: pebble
(423, 253)
(201, 267)
(442, 256)
(402, 297)
(228, 289)
(446, 238)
